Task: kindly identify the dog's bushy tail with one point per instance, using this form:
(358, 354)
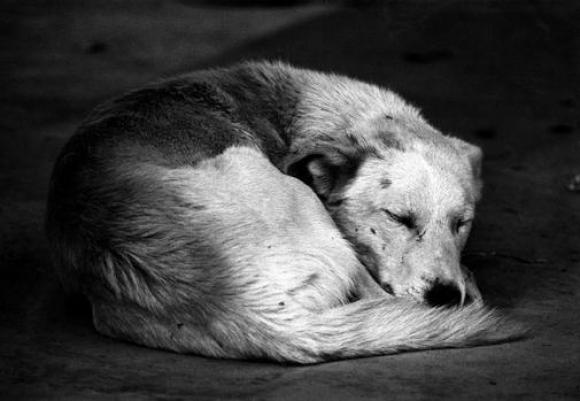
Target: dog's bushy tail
(378, 327)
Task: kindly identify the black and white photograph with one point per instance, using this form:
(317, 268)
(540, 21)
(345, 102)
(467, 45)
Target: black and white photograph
(290, 200)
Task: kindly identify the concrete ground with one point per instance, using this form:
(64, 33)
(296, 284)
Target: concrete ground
(504, 75)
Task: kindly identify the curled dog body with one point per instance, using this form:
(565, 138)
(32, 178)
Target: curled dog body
(265, 211)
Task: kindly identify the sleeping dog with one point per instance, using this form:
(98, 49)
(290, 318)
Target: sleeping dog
(265, 211)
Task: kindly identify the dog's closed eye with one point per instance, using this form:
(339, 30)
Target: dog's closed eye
(406, 220)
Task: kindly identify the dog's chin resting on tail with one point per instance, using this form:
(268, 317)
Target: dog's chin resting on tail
(265, 211)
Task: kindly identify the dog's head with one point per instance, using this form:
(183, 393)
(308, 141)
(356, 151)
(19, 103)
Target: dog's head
(404, 196)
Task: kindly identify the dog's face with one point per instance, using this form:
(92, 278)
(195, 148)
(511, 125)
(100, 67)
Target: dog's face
(408, 216)
(407, 210)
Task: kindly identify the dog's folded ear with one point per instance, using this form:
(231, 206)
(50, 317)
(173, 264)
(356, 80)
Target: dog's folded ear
(474, 156)
(324, 169)
(473, 153)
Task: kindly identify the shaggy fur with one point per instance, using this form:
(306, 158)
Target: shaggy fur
(256, 212)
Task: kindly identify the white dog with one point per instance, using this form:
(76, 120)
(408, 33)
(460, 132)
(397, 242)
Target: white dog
(264, 211)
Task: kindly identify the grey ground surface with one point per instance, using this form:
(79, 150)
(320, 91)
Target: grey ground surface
(505, 75)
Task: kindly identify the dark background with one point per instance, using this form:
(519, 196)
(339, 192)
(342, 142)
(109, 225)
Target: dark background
(504, 75)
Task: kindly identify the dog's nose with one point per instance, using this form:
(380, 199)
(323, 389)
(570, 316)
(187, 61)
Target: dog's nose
(443, 294)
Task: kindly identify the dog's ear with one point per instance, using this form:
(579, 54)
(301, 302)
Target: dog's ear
(473, 154)
(324, 169)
